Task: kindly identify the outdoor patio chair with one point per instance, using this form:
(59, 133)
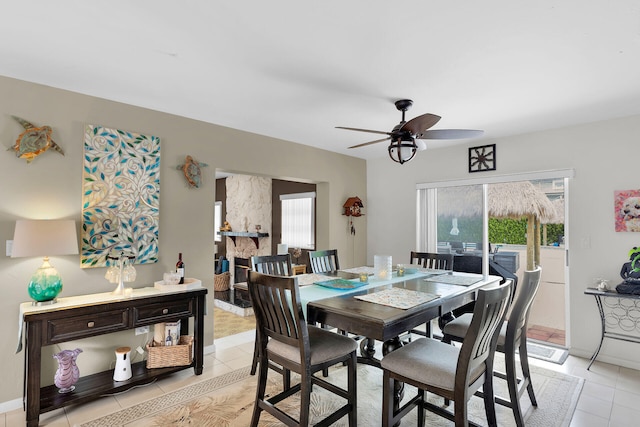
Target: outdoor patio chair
(512, 337)
(286, 339)
(452, 372)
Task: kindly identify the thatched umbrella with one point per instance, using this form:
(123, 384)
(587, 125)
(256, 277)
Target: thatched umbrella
(522, 199)
(558, 217)
(506, 200)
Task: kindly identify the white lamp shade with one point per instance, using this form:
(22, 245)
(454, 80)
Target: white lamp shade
(44, 238)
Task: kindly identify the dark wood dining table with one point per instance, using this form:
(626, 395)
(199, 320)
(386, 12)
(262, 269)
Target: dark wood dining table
(384, 323)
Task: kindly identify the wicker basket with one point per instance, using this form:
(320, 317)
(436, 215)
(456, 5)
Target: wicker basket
(221, 281)
(160, 356)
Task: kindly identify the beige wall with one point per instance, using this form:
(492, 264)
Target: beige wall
(603, 155)
(50, 187)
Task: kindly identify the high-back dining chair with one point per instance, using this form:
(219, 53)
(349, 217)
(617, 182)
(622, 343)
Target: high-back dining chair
(279, 265)
(324, 261)
(286, 339)
(432, 260)
(512, 337)
(436, 261)
(452, 372)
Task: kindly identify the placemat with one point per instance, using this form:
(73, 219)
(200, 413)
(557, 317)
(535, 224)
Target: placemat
(398, 298)
(341, 284)
(310, 278)
(358, 270)
(452, 279)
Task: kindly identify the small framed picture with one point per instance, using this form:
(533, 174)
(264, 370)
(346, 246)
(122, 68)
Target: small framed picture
(482, 158)
(626, 205)
(171, 333)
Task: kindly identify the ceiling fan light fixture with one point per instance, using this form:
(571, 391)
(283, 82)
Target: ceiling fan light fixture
(406, 137)
(403, 149)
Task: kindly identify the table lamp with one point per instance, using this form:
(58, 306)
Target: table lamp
(44, 238)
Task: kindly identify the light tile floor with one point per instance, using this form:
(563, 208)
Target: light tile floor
(609, 398)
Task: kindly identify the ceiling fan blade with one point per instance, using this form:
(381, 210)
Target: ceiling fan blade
(370, 142)
(450, 134)
(364, 130)
(421, 123)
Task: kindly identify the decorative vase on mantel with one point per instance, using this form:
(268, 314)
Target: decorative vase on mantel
(68, 373)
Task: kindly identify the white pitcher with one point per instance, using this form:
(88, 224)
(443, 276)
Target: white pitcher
(122, 372)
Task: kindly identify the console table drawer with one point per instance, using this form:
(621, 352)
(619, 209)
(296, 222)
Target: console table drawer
(160, 312)
(76, 327)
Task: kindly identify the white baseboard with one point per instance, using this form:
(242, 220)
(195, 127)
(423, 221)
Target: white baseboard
(10, 405)
(603, 357)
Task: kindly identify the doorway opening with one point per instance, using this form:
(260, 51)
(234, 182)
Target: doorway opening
(251, 205)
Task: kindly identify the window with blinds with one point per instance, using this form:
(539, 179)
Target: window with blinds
(298, 220)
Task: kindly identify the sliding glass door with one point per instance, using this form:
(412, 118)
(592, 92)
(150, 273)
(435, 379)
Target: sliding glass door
(516, 223)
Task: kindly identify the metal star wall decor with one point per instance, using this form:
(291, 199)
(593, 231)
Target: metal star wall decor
(482, 158)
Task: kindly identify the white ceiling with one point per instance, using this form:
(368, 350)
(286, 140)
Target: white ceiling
(296, 69)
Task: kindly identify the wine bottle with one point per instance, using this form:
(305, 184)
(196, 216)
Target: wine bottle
(180, 268)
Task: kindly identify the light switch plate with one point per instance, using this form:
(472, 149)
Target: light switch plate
(9, 247)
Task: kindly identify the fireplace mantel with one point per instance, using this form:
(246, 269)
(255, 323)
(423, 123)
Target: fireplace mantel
(251, 235)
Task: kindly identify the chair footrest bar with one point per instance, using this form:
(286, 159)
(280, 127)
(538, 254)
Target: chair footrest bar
(444, 413)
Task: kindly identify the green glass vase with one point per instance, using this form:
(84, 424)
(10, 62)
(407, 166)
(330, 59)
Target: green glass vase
(45, 284)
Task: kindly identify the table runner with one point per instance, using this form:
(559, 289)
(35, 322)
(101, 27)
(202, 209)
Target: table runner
(341, 284)
(398, 298)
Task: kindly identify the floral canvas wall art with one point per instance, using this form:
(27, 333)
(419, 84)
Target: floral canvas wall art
(626, 204)
(120, 195)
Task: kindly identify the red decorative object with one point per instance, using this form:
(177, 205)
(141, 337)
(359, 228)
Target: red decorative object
(353, 207)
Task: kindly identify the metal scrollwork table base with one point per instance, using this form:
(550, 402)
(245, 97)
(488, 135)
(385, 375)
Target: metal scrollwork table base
(622, 314)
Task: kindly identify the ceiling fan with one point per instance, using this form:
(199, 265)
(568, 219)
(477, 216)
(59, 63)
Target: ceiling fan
(403, 146)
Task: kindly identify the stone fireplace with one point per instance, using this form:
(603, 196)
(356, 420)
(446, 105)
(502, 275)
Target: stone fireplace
(248, 204)
(240, 269)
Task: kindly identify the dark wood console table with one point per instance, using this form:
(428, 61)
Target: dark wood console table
(86, 316)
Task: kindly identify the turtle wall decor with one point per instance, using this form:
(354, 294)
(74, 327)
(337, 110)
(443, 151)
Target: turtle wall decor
(192, 170)
(34, 141)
